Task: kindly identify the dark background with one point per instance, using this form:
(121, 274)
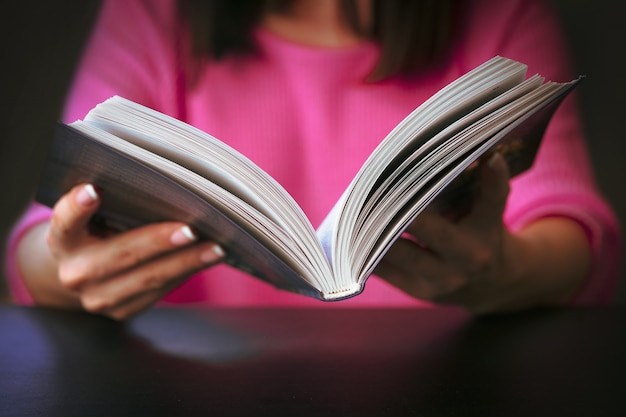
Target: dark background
(41, 41)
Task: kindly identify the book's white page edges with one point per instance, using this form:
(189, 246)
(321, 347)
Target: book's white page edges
(192, 147)
(218, 162)
(419, 168)
(206, 155)
(250, 219)
(205, 167)
(463, 95)
(481, 138)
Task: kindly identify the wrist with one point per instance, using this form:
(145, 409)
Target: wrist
(41, 278)
(550, 258)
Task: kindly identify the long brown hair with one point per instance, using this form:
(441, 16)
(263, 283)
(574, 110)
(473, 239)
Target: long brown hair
(413, 34)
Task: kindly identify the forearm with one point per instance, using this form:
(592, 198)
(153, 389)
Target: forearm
(39, 270)
(552, 258)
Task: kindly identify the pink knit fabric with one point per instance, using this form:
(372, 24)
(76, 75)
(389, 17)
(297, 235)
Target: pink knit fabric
(308, 117)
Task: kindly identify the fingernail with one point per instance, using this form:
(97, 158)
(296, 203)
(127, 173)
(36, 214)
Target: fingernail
(183, 236)
(212, 254)
(87, 195)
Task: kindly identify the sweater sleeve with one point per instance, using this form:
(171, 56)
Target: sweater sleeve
(561, 182)
(35, 215)
(130, 50)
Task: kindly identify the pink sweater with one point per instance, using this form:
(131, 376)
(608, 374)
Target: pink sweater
(306, 116)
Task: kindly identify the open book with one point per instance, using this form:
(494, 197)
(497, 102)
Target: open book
(151, 167)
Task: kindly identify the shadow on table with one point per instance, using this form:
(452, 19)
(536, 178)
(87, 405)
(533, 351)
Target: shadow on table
(313, 362)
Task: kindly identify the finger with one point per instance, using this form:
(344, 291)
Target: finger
(138, 303)
(432, 230)
(109, 257)
(417, 271)
(139, 288)
(445, 238)
(70, 217)
(494, 190)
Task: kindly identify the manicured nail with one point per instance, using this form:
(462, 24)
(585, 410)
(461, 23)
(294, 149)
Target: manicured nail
(212, 254)
(183, 236)
(87, 195)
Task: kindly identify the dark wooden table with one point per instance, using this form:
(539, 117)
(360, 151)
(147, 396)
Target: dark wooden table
(313, 362)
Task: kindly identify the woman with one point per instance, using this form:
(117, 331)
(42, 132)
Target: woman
(306, 89)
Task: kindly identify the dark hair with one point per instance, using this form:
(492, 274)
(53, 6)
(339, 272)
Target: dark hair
(413, 34)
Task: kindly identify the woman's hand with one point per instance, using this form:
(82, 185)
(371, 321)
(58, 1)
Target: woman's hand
(478, 264)
(118, 275)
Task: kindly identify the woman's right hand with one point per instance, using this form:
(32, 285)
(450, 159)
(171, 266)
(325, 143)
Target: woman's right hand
(118, 275)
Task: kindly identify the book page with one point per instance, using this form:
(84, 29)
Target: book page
(134, 194)
(455, 100)
(522, 121)
(214, 160)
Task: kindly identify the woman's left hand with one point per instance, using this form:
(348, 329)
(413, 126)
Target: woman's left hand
(473, 262)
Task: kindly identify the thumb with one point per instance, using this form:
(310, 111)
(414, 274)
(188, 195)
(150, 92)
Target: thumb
(70, 217)
(494, 190)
